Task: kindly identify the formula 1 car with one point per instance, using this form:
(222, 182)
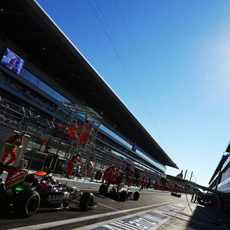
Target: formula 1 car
(176, 194)
(118, 192)
(24, 193)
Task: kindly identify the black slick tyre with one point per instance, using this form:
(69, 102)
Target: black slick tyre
(123, 196)
(136, 195)
(26, 203)
(86, 201)
(103, 189)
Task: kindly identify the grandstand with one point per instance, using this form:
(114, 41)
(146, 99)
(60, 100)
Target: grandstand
(45, 84)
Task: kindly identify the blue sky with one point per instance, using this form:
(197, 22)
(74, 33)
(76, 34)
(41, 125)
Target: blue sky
(169, 62)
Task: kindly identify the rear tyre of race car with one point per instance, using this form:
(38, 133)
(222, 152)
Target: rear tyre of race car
(136, 195)
(26, 203)
(123, 196)
(86, 201)
(103, 189)
(5, 207)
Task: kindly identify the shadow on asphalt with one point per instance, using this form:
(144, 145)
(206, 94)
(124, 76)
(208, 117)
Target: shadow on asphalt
(206, 218)
(202, 218)
(7, 215)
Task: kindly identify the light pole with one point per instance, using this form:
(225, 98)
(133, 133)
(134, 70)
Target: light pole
(191, 176)
(185, 174)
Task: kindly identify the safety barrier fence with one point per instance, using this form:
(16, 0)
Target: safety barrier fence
(49, 147)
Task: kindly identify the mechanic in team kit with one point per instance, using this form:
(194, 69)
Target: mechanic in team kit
(76, 158)
(12, 148)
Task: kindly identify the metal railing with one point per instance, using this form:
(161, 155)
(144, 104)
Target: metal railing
(58, 151)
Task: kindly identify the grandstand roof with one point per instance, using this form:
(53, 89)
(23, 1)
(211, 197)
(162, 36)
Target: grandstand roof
(33, 31)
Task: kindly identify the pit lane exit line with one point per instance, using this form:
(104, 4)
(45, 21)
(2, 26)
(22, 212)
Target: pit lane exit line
(84, 218)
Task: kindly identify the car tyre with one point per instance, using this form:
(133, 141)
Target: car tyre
(86, 201)
(27, 203)
(123, 196)
(103, 189)
(136, 195)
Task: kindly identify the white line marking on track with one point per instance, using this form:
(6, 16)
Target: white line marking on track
(116, 221)
(108, 206)
(164, 221)
(110, 221)
(73, 220)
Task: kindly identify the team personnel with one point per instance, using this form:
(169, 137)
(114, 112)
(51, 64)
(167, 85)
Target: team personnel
(85, 133)
(74, 160)
(72, 131)
(12, 148)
